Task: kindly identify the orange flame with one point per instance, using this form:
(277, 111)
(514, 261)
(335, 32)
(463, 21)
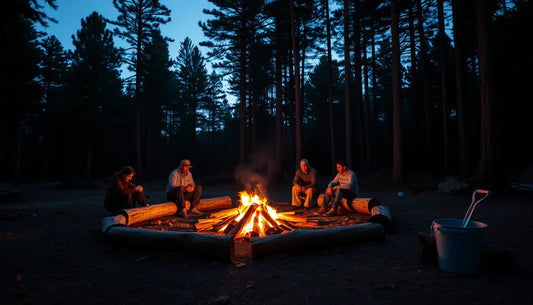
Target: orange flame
(255, 222)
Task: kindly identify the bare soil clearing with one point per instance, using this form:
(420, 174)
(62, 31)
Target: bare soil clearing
(52, 252)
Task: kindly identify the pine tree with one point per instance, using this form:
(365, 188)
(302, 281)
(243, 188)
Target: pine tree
(160, 89)
(53, 66)
(232, 31)
(192, 83)
(20, 93)
(136, 20)
(93, 83)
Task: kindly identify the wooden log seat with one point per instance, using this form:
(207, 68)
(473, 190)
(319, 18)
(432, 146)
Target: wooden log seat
(305, 239)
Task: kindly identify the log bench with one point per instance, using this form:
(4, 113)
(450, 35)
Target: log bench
(222, 247)
(115, 229)
(379, 213)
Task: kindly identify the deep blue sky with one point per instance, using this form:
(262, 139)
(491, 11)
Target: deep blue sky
(185, 15)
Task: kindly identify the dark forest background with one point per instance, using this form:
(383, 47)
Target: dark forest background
(423, 86)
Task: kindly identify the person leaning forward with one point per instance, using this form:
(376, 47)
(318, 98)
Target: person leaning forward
(304, 184)
(344, 185)
(122, 193)
(181, 187)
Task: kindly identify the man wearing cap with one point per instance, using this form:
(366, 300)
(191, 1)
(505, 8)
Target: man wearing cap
(181, 187)
(304, 184)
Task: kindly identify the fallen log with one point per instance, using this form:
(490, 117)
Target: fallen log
(113, 221)
(205, 245)
(137, 215)
(360, 205)
(300, 239)
(209, 204)
(381, 214)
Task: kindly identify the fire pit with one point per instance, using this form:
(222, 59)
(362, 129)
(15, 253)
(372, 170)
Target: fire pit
(266, 227)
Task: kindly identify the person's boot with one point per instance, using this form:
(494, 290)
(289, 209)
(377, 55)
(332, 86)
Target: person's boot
(195, 211)
(331, 212)
(184, 213)
(322, 210)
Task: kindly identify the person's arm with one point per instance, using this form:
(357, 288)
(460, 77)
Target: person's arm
(332, 185)
(123, 188)
(173, 179)
(296, 180)
(190, 180)
(313, 179)
(334, 182)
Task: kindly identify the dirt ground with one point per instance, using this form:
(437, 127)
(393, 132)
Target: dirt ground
(52, 252)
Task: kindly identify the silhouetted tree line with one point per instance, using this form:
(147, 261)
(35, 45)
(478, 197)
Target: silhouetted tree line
(428, 86)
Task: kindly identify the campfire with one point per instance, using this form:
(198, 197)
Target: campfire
(253, 218)
(256, 228)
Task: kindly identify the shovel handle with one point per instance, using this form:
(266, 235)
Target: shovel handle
(473, 205)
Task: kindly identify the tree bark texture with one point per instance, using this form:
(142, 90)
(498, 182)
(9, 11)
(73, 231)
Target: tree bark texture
(297, 240)
(397, 138)
(347, 77)
(219, 247)
(359, 205)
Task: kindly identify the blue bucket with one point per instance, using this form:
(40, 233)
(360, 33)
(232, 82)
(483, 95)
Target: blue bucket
(459, 249)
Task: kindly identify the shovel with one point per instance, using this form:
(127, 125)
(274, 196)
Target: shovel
(473, 205)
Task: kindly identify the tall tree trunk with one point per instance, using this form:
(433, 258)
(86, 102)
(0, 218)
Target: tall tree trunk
(444, 87)
(242, 105)
(490, 166)
(367, 116)
(418, 132)
(358, 94)
(374, 103)
(291, 111)
(460, 78)
(426, 102)
(297, 97)
(138, 102)
(330, 91)
(347, 74)
(279, 101)
(397, 138)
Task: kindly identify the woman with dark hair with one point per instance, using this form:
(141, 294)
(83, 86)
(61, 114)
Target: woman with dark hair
(122, 193)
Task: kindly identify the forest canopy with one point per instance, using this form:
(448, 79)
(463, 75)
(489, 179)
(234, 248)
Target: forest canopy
(425, 86)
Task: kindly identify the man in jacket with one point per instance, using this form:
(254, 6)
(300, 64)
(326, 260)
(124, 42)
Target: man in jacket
(181, 187)
(344, 185)
(304, 184)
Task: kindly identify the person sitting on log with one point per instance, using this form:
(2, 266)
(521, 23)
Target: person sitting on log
(344, 185)
(181, 187)
(304, 184)
(122, 193)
